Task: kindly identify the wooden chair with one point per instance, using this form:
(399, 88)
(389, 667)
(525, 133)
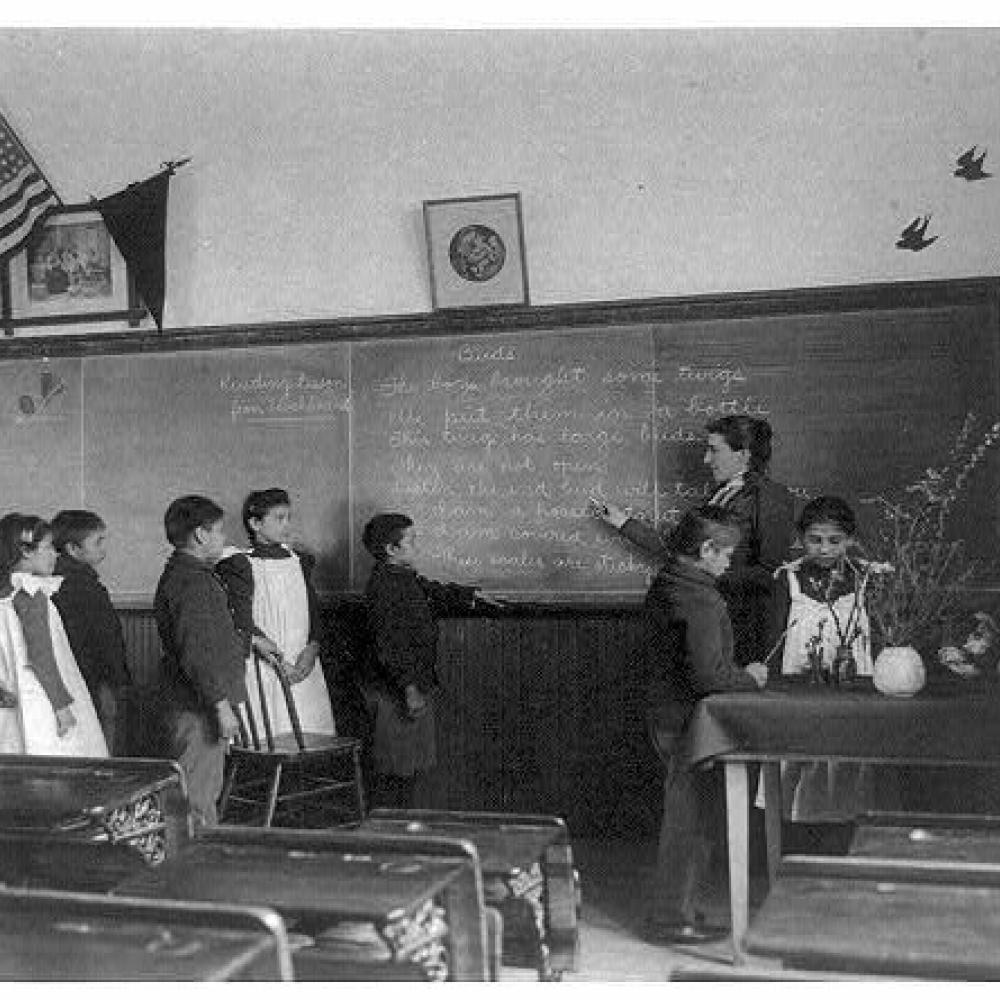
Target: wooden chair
(290, 779)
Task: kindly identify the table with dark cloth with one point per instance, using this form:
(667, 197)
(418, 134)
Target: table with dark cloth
(947, 724)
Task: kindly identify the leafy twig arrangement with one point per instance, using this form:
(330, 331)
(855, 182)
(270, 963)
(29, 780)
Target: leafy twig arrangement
(933, 570)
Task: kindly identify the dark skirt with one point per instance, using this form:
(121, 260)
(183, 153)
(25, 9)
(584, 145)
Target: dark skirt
(401, 745)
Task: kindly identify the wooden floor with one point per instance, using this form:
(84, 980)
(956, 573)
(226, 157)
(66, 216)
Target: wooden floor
(615, 876)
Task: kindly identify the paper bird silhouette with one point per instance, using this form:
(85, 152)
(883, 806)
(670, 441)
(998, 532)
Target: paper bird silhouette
(970, 166)
(912, 237)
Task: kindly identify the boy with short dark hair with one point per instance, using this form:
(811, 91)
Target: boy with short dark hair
(689, 650)
(202, 667)
(401, 675)
(92, 624)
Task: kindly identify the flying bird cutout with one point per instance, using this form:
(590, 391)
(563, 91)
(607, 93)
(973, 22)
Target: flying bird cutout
(970, 166)
(912, 237)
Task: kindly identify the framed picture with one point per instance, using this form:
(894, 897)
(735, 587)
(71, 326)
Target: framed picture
(69, 271)
(475, 247)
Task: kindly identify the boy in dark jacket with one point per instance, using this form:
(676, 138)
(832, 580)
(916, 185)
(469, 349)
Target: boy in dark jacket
(401, 675)
(690, 650)
(92, 624)
(202, 668)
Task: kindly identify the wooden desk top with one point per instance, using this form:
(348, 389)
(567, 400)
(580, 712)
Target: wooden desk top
(503, 849)
(300, 882)
(47, 793)
(931, 843)
(40, 946)
(866, 925)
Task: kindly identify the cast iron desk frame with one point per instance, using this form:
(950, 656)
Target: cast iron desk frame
(139, 801)
(531, 858)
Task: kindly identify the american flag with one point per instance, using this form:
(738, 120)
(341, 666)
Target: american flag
(25, 194)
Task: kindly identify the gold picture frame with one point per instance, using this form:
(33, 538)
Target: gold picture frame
(70, 271)
(475, 251)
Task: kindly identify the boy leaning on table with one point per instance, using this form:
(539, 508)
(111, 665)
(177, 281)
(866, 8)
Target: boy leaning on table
(689, 642)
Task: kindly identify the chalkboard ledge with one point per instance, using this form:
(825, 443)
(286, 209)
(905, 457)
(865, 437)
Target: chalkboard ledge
(519, 605)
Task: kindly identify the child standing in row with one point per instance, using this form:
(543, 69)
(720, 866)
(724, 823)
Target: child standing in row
(52, 712)
(202, 667)
(273, 601)
(401, 678)
(92, 624)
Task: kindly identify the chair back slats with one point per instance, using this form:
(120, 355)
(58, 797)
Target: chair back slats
(264, 712)
(293, 712)
(248, 727)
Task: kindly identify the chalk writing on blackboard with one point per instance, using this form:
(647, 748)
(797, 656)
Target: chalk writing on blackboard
(493, 448)
(289, 397)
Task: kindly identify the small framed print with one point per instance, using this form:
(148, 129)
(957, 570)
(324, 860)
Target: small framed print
(70, 271)
(475, 248)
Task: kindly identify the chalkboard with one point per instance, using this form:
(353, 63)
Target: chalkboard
(860, 402)
(219, 424)
(40, 434)
(493, 445)
(491, 430)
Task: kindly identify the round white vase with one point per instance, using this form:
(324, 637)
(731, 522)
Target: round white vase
(899, 671)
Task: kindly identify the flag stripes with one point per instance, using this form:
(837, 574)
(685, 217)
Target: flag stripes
(25, 195)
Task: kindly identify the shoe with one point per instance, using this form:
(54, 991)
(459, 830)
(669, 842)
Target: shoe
(688, 933)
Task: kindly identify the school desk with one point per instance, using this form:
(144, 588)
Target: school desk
(400, 907)
(29, 860)
(943, 727)
(945, 837)
(59, 936)
(136, 801)
(528, 875)
(870, 916)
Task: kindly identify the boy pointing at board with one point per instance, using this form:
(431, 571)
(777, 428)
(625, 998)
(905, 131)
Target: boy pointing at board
(401, 675)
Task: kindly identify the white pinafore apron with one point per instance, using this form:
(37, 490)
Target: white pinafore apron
(820, 791)
(30, 727)
(281, 611)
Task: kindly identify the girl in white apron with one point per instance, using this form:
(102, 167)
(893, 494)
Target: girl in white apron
(273, 601)
(45, 707)
(826, 613)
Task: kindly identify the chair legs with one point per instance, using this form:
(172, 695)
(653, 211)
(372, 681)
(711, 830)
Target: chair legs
(248, 784)
(227, 786)
(272, 795)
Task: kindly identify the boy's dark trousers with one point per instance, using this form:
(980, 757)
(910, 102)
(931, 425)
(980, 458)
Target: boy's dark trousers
(110, 712)
(693, 816)
(190, 735)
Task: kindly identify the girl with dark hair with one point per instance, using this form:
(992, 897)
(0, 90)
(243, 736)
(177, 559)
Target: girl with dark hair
(273, 602)
(824, 617)
(822, 591)
(51, 711)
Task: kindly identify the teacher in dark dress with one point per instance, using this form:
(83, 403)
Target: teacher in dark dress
(738, 453)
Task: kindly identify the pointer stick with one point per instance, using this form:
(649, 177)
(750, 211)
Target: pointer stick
(781, 639)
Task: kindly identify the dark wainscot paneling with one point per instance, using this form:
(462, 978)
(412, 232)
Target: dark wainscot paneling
(539, 712)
